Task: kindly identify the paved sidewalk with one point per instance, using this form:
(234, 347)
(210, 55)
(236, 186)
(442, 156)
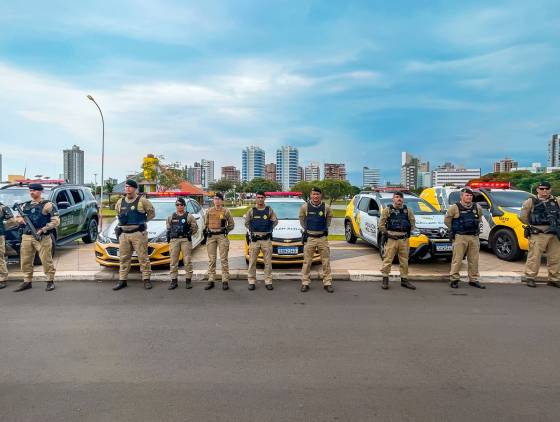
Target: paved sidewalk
(359, 262)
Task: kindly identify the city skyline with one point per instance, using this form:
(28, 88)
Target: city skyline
(343, 85)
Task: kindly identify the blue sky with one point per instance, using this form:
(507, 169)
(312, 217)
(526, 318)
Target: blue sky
(354, 81)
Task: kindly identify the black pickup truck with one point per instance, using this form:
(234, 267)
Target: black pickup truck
(78, 209)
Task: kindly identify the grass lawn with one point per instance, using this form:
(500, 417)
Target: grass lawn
(108, 213)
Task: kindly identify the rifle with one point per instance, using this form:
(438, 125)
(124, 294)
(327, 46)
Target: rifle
(28, 223)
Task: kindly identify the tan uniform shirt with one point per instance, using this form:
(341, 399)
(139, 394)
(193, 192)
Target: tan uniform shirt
(453, 212)
(190, 219)
(9, 219)
(527, 209)
(303, 215)
(222, 213)
(144, 206)
(249, 216)
(385, 216)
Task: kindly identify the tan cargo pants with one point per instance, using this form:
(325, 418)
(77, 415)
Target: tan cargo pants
(212, 244)
(3, 266)
(176, 247)
(471, 245)
(29, 247)
(394, 247)
(254, 248)
(539, 244)
(138, 242)
(321, 245)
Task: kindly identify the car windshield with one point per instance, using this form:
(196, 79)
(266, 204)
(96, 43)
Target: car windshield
(286, 210)
(509, 198)
(10, 196)
(163, 209)
(417, 205)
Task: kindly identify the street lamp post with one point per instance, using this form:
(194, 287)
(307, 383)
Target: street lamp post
(102, 158)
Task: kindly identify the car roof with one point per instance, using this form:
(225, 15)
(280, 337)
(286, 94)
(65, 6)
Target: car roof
(385, 195)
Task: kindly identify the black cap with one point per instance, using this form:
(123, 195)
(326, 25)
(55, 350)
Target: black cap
(544, 184)
(35, 186)
(398, 193)
(219, 195)
(316, 189)
(132, 183)
(261, 192)
(181, 201)
(467, 190)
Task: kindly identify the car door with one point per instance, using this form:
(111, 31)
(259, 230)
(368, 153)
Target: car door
(196, 210)
(368, 221)
(79, 214)
(64, 204)
(486, 222)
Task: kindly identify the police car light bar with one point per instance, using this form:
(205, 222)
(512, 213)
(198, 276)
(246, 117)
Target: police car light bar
(286, 194)
(42, 181)
(496, 185)
(169, 194)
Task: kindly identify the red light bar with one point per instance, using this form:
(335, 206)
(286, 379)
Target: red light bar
(282, 193)
(170, 193)
(45, 181)
(495, 185)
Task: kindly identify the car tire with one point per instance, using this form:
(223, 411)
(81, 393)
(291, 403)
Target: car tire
(37, 260)
(504, 245)
(349, 232)
(92, 232)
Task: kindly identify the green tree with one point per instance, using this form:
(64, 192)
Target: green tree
(335, 189)
(304, 187)
(169, 177)
(221, 185)
(258, 183)
(109, 187)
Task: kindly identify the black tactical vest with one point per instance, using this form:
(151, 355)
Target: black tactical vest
(35, 214)
(316, 220)
(260, 222)
(180, 227)
(398, 219)
(543, 211)
(129, 214)
(468, 221)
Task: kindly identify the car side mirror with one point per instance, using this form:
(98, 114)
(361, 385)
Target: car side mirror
(373, 213)
(63, 205)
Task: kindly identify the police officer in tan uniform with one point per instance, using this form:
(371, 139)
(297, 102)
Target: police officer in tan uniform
(538, 214)
(7, 221)
(181, 227)
(218, 222)
(463, 219)
(396, 223)
(133, 212)
(315, 218)
(260, 221)
(43, 215)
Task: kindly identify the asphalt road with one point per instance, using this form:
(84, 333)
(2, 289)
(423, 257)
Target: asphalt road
(85, 353)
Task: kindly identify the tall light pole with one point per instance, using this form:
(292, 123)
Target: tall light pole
(102, 158)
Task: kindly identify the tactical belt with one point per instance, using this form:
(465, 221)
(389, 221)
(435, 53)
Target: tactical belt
(317, 235)
(211, 233)
(140, 228)
(397, 237)
(183, 236)
(257, 237)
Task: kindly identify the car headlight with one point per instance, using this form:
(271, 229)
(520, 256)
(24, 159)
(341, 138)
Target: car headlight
(415, 232)
(160, 238)
(102, 238)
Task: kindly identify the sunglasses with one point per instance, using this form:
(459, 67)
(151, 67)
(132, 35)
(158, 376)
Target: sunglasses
(179, 204)
(543, 188)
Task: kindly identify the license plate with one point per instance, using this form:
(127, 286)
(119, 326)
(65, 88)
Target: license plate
(444, 247)
(134, 254)
(287, 250)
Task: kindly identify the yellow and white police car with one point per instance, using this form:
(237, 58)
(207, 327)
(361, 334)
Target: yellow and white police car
(500, 227)
(287, 237)
(430, 239)
(107, 245)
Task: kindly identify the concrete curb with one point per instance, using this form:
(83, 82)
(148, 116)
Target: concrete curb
(487, 277)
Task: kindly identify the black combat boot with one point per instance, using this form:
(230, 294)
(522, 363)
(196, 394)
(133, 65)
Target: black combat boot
(269, 287)
(173, 285)
(329, 288)
(251, 286)
(188, 283)
(23, 286)
(476, 284)
(553, 284)
(225, 285)
(407, 284)
(304, 288)
(147, 284)
(209, 286)
(531, 283)
(50, 286)
(120, 285)
(385, 283)
(3, 285)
